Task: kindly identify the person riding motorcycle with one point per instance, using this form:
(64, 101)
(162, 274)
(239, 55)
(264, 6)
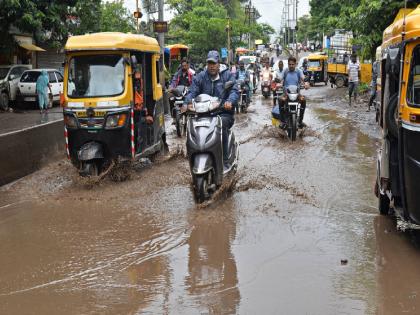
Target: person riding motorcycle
(184, 77)
(278, 77)
(293, 76)
(212, 82)
(266, 74)
(244, 75)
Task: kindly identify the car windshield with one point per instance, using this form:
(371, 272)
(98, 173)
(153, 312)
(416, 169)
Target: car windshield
(30, 76)
(413, 92)
(314, 63)
(96, 76)
(3, 72)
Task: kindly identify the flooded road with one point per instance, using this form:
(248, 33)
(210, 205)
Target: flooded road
(296, 231)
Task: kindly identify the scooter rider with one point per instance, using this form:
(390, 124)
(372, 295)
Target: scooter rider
(244, 75)
(293, 76)
(211, 82)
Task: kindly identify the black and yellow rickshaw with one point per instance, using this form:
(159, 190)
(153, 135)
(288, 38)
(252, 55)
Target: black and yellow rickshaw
(173, 56)
(112, 100)
(398, 165)
(318, 68)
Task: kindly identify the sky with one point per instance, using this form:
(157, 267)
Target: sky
(270, 10)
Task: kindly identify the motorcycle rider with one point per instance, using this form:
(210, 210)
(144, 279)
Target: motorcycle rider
(293, 76)
(266, 74)
(278, 77)
(211, 82)
(244, 75)
(184, 76)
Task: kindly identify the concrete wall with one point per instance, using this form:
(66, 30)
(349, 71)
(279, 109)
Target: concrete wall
(25, 151)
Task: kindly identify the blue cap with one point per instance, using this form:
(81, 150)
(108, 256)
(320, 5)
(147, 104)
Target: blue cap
(213, 56)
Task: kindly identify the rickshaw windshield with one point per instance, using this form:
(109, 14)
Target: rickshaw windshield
(96, 76)
(314, 64)
(413, 92)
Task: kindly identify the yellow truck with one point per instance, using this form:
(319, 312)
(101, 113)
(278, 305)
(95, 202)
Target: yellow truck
(337, 73)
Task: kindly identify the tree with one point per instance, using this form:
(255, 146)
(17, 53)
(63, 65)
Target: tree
(367, 19)
(114, 17)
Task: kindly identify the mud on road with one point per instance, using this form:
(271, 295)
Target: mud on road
(272, 241)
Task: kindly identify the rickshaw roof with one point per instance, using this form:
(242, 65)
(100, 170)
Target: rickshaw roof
(112, 41)
(317, 57)
(393, 33)
(177, 46)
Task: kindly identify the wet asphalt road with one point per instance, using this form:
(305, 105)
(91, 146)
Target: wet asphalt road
(295, 231)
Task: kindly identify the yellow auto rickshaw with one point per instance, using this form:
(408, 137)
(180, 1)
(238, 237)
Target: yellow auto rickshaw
(112, 100)
(317, 69)
(398, 165)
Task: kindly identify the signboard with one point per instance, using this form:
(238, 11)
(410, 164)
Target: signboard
(224, 53)
(160, 26)
(258, 42)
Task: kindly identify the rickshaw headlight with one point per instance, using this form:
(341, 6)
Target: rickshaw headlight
(115, 121)
(70, 121)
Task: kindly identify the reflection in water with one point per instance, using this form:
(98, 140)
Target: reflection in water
(398, 255)
(213, 278)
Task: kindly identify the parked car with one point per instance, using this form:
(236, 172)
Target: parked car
(9, 79)
(27, 85)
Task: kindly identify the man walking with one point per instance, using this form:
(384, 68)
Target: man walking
(353, 71)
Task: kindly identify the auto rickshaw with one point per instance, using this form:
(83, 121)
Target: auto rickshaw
(175, 53)
(398, 164)
(112, 100)
(317, 68)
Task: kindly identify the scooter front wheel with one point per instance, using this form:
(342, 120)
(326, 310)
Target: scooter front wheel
(200, 188)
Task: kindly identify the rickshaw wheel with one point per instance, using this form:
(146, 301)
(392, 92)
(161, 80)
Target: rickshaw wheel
(390, 116)
(383, 201)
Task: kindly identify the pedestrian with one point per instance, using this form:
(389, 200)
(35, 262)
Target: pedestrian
(353, 71)
(373, 84)
(42, 86)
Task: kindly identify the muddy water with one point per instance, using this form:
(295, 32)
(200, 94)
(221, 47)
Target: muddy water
(294, 232)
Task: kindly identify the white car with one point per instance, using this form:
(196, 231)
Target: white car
(27, 84)
(9, 79)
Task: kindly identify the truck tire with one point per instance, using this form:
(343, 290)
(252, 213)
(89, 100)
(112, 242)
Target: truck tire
(340, 81)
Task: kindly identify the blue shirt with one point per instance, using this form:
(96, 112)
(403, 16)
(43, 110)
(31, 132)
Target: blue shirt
(293, 77)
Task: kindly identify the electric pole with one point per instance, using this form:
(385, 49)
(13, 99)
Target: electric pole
(228, 29)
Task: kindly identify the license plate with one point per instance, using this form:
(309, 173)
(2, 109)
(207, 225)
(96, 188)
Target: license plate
(30, 99)
(82, 114)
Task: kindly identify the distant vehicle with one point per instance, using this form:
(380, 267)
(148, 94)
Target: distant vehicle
(9, 78)
(247, 59)
(27, 85)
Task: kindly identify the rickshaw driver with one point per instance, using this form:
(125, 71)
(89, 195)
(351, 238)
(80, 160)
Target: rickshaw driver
(211, 82)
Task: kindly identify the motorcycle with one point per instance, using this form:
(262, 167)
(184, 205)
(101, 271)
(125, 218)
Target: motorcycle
(291, 113)
(242, 105)
(311, 78)
(205, 146)
(265, 89)
(180, 118)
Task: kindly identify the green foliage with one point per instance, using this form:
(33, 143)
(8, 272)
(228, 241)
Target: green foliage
(201, 24)
(51, 22)
(114, 17)
(367, 19)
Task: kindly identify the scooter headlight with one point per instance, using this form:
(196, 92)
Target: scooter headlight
(115, 121)
(202, 107)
